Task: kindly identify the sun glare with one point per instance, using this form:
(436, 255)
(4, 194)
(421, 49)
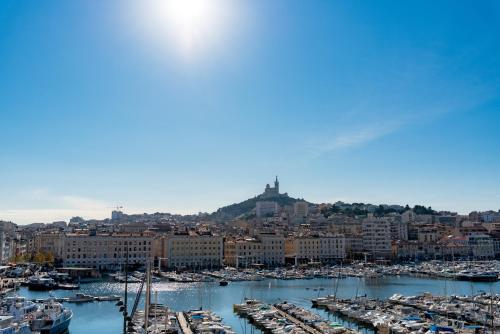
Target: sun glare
(189, 25)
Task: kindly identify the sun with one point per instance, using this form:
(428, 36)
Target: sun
(190, 21)
(189, 26)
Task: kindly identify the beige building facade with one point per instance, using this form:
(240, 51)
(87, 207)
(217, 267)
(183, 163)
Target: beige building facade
(107, 251)
(192, 251)
(266, 249)
(325, 249)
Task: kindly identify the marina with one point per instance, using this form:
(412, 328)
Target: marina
(400, 314)
(475, 271)
(269, 319)
(180, 297)
(310, 321)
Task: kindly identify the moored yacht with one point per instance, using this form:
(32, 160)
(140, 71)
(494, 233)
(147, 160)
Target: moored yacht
(41, 283)
(477, 276)
(52, 318)
(8, 325)
(18, 307)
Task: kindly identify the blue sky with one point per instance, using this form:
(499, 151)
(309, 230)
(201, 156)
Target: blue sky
(133, 103)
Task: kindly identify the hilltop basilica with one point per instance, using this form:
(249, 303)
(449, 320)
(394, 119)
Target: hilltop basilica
(272, 191)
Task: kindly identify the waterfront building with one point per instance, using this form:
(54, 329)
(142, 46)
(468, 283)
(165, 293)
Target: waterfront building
(406, 249)
(243, 252)
(316, 248)
(106, 251)
(192, 250)
(481, 246)
(354, 245)
(273, 252)
(49, 242)
(454, 247)
(265, 249)
(414, 249)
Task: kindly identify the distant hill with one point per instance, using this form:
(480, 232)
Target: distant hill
(246, 208)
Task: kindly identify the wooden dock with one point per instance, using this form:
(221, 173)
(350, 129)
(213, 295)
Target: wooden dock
(183, 323)
(297, 322)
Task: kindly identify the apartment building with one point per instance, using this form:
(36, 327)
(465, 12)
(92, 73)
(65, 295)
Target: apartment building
(266, 208)
(399, 229)
(273, 249)
(481, 246)
(266, 249)
(242, 252)
(377, 237)
(300, 209)
(325, 249)
(107, 251)
(192, 250)
(7, 241)
(51, 242)
(354, 245)
(428, 233)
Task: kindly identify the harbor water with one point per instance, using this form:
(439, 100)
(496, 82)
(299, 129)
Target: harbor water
(104, 317)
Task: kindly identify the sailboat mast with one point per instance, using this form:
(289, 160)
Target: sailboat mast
(156, 307)
(125, 315)
(492, 311)
(148, 295)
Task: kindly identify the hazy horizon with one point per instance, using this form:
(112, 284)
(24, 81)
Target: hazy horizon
(105, 212)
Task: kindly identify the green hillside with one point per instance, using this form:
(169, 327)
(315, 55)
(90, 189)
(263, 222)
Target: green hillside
(247, 208)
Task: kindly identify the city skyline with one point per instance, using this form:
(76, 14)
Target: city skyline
(268, 197)
(121, 103)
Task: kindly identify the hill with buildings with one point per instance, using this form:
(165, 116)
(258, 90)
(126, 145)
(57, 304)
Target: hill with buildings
(272, 197)
(246, 209)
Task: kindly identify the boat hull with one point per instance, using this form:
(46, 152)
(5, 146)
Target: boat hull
(39, 287)
(58, 329)
(478, 278)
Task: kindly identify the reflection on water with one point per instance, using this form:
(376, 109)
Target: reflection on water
(104, 317)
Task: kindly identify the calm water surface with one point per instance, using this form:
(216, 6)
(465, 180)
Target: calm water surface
(103, 317)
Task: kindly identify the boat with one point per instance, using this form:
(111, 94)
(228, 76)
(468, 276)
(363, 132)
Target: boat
(81, 298)
(110, 298)
(8, 325)
(52, 318)
(18, 307)
(477, 276)
(41, 283)
(68, 286)
(129, 279)
(223, 283)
